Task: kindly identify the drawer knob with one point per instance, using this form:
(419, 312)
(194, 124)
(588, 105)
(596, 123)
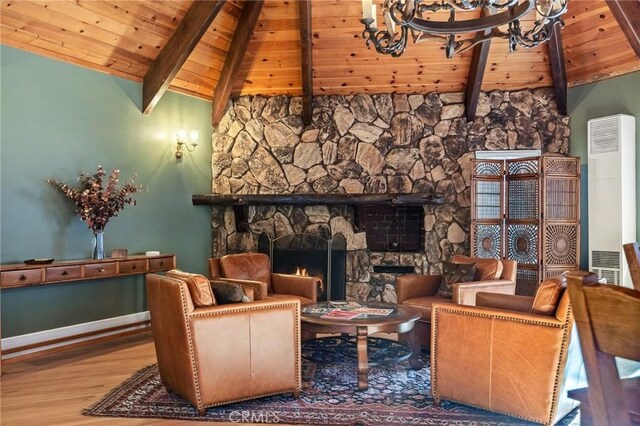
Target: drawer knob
(23, 277)
(134, 267)
(161, 263)
(64, 273)
(101, 270)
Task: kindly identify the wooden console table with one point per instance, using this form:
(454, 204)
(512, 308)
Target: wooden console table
(21, 275)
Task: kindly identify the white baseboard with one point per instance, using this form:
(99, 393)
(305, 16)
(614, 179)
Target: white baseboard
(68, 333)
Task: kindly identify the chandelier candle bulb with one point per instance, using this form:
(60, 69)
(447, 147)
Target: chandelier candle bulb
(367, 9)
(193, 136)
(375, 16)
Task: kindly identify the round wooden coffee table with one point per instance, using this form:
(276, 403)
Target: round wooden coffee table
(401, 320)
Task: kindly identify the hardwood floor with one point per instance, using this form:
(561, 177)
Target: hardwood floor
(54, 389)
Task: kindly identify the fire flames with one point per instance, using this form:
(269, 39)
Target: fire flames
(303, 272)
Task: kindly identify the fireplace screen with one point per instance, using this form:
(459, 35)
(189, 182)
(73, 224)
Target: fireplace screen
(310, 254)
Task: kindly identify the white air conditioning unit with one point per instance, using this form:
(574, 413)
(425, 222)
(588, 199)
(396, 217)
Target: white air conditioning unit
(612, 195)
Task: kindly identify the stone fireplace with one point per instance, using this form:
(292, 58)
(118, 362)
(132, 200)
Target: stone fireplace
(362, 144)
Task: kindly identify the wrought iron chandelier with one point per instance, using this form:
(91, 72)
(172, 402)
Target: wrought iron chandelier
(412, 17)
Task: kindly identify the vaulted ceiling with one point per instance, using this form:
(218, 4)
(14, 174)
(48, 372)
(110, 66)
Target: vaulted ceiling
(125, 38)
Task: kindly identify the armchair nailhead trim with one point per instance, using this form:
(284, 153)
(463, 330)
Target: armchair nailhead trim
(498, 411)
(263, 395)
(434, 339)
(298, 350)
(502, 317)
(563, 354)
(240, 309)
(191, 352)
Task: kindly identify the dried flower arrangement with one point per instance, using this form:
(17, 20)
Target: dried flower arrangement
(96, 204)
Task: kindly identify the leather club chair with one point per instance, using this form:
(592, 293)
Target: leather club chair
(218, 354)
(253, 270)
(516, 355)
(421, 291)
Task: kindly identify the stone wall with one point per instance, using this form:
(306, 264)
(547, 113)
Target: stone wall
(370, 144)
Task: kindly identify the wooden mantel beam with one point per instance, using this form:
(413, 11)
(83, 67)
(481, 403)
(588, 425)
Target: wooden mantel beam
(558, 71)
(627, 13)
(307, 60)
(235, 55)
(195, 23)
(313, 199)
(476, 74)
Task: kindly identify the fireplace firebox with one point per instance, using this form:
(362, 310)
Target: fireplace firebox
(313, 255)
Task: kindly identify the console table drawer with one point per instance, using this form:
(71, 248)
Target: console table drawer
(61, 273)
(100, 270)
(132, 266)
(22, 277)
(161, 264)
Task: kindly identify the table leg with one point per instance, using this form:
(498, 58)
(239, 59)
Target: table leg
(411, 339)
(307, 335)
(363, 359)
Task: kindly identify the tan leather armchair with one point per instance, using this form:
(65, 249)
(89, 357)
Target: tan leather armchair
(253, 270)
(220, 354)
(515, 355)
(421, 291)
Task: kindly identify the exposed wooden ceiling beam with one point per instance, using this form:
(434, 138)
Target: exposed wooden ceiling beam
(195, 23)
(239, 44)
(476, 74)
(627, 13)
(558, 72)
(307, 60)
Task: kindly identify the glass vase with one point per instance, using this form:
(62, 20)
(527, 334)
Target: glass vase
(98, 245)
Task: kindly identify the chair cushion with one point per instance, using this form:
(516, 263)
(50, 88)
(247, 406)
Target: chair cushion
(247, 266)
(303, 300)
(227, 292)
(548, 295)
(423, 304)
(198, 285)
(455, 273)
(486, 269)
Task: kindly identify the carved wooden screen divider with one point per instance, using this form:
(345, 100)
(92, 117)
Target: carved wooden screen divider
(528, 210)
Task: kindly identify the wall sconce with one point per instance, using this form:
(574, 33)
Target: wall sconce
(181, 139)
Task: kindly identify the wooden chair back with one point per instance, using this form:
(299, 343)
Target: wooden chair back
(632, 253)
(607, 318)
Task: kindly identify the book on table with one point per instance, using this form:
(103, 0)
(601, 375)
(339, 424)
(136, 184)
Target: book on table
(345, 305)
(340, 314)
(374, 311)
(309, 310)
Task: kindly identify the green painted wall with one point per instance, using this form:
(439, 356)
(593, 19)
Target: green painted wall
(619, 95)
(57, 119)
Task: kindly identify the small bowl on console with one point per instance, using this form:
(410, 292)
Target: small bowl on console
(44, 261)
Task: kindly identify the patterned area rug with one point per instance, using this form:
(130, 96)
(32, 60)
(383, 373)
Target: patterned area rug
(397, 395)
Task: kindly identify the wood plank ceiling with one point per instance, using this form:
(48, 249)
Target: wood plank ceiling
(124, 38)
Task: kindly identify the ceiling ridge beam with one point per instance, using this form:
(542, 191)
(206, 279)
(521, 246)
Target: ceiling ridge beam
(476, 74)
(174, 54)
(307, 60)
(235, 55)
(558, 71)
(627, 13)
